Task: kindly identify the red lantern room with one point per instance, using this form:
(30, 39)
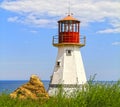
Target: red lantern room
(68, 32)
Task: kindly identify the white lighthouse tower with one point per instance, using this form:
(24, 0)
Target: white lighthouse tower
(69, 69)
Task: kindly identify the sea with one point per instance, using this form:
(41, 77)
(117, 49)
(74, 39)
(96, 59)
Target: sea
(8, 86)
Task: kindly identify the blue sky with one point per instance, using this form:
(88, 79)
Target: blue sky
(26, 31)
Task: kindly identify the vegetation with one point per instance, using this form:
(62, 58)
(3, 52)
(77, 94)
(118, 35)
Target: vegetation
(94, 95)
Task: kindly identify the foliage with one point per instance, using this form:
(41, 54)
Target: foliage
(94, 95)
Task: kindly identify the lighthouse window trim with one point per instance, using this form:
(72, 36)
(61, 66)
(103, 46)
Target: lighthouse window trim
(68, 52)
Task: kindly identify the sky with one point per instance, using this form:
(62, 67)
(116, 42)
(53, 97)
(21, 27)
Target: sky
(27, 28)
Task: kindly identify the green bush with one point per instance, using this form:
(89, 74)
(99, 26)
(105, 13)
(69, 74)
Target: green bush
(94, 95)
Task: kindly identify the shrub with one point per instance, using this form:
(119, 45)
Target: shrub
(95, 95)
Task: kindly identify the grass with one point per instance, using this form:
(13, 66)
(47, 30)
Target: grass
(96, 95)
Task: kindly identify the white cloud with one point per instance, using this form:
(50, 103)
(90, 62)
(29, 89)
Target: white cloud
(116, 43)
(114, 30)
(39, 22)
(33, 31)
(12, 19)
(42, 13)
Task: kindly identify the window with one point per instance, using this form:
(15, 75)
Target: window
(68, 52)
(58, 64)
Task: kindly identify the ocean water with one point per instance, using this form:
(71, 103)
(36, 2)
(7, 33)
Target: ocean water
(10, 86)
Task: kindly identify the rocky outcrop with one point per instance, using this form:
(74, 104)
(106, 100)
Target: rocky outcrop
(33, 89)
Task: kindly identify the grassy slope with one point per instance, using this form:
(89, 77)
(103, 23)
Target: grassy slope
(96, 95)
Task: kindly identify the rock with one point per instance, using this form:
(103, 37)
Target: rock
(34, 89)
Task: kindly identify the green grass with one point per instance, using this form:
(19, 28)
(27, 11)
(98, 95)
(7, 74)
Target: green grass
(96, 95)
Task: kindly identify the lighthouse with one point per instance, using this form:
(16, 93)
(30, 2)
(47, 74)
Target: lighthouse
(69, 69)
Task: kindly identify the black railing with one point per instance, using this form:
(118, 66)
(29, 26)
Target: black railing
(55, 39)
(82, 40)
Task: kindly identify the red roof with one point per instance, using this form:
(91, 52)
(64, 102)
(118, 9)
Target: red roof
(69, 18)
